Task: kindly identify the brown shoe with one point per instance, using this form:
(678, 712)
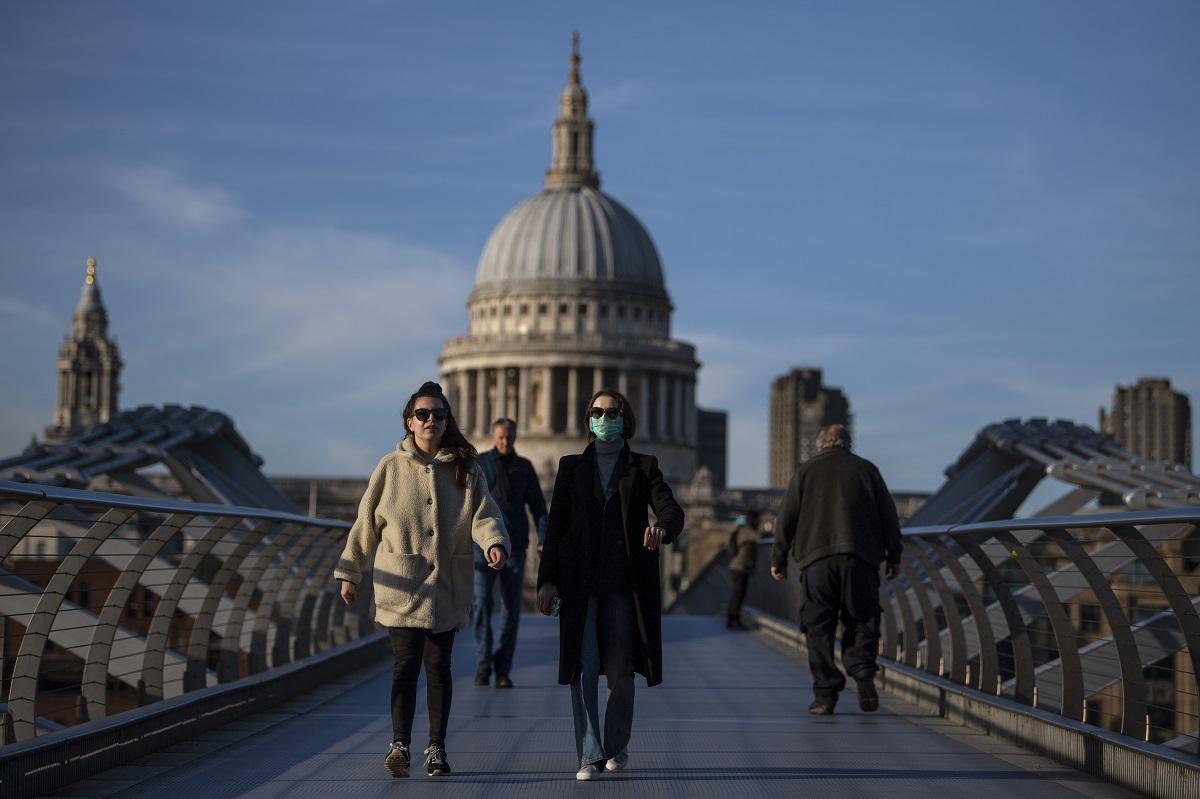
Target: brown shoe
(820, 707)
(483, 675)
(502, 681)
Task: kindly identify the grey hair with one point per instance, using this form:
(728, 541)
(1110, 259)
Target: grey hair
(509, 423)
(836, 435)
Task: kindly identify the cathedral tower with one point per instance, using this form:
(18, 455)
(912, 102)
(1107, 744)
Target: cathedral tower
(89, 366)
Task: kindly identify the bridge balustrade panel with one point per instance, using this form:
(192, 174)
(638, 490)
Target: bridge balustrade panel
(110, 602)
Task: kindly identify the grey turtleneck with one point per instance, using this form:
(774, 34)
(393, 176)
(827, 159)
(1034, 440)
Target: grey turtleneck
(607, 453)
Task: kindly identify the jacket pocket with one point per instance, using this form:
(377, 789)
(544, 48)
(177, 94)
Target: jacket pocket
(464, 581)
(398, 581)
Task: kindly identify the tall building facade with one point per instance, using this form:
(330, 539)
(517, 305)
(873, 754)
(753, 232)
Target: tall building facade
(89, 366)
(800, 406)
(569, 298)
(713, 447)
(1152, 420)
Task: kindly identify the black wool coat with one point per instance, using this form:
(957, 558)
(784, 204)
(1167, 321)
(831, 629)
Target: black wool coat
(572, 551)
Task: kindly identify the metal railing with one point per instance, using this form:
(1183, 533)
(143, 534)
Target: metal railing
(1092, 617)
(110, 602)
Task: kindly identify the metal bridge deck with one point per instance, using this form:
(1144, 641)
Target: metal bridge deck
(729, 721)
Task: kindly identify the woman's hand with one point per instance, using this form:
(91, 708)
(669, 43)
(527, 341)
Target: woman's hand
(653, 537)
(545, 596)
(349, 592)
(496, 557)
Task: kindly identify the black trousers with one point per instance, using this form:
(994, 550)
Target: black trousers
(741, 581)
(841, 588)
(410, 647)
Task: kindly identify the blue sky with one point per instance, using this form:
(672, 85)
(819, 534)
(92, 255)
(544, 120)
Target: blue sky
(962, 212)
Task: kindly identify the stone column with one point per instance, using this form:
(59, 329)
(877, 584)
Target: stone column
(481, 420)
(623, 381)
(523, 392)
(644, 399)
(693, 415)
(572, 401)
(680, 421)
(463, 411)
(597, 379)
(660, 416)
(501, 391)
(546, 405)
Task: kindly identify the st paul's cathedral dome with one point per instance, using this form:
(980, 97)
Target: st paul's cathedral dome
(570, 297)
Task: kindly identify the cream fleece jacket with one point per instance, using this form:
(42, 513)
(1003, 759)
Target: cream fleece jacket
(419, 524)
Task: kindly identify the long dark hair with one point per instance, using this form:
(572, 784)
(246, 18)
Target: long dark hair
(465, 455)
(628, 426)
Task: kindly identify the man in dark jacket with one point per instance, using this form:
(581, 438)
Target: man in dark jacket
(840, 523)
(514, 485)
(743, 556)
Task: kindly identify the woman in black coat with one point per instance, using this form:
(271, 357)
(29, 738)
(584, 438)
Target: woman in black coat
(601, 559)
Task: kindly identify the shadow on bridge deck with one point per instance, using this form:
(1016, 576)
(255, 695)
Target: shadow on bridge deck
(730, 720)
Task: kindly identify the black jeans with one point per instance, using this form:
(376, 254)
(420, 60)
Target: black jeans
(741, 580)
(411, 646)
(845, 588)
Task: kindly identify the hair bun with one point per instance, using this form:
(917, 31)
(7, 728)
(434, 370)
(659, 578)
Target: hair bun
(429, 387)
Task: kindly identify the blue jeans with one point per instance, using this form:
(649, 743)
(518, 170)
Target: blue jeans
(511, 578)
(609, 629)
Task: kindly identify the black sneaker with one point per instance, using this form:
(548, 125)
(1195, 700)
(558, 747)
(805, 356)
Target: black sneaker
(397, 760)
(868, 697)
(435, 761)
(503, 681)
(821, 707)
(482, 675)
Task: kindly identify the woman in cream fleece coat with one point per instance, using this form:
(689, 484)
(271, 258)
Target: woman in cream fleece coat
(425, 506)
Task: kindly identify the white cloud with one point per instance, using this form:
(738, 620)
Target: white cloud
(25, 311)
(166, 196)
(316, 302)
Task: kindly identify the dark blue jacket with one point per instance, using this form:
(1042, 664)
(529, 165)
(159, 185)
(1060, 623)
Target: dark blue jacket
(524, 490)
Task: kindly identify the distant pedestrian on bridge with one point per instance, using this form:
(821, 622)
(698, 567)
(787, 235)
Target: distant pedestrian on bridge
(743, 557)
(601, 560)
(425, 504)
(839, 521)
(514, 485)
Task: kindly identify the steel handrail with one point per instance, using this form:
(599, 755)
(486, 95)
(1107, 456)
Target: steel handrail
(283, 560)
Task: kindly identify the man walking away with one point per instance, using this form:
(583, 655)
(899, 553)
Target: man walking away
(743, 555)
(840, 523)
(514, 485)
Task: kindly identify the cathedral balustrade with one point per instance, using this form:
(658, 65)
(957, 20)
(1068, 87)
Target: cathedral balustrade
(111, 603)
(566, 344)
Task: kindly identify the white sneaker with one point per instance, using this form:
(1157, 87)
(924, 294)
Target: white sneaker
(589, 772)
(618, 762)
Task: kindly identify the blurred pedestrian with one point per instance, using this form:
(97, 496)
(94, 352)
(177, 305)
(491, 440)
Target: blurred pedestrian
(514, 485)
(743, 556)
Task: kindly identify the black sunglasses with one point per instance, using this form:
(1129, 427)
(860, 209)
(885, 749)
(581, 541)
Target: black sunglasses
(438, 414)
(611, 413)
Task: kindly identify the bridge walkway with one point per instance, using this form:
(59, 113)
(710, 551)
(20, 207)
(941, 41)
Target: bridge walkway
(730, 720)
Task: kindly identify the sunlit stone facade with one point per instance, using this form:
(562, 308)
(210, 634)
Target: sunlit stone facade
(569, 297)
